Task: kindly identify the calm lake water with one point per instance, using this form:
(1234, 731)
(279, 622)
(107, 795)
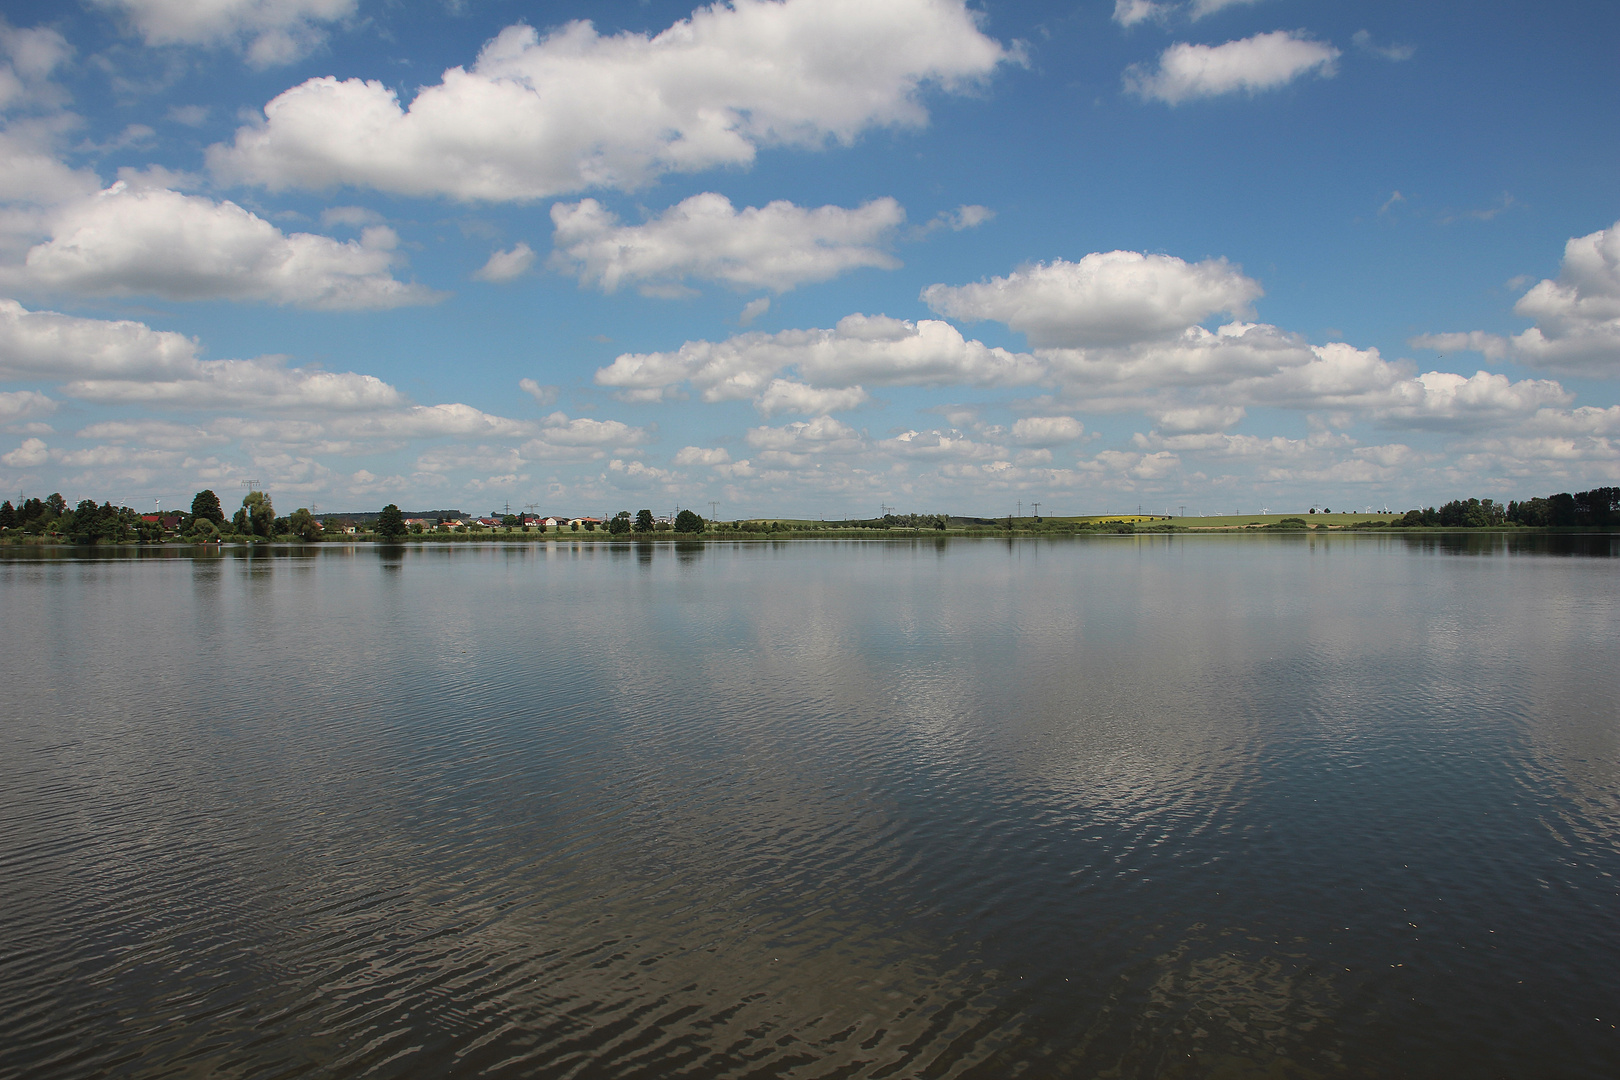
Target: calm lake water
(1120, 807)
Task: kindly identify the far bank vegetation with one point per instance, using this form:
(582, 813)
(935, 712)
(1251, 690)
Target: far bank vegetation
(52, 521)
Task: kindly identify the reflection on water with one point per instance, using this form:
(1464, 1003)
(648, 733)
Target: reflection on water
(1589, 545)
(1127, 806)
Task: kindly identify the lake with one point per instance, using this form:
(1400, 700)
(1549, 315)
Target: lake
(1280, 806)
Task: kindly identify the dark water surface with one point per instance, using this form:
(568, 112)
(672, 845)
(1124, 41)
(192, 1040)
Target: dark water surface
(1207, 806)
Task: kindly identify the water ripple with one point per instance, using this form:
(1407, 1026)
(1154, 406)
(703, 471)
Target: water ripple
(1130, 809)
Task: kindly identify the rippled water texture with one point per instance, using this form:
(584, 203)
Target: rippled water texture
(1114, 807)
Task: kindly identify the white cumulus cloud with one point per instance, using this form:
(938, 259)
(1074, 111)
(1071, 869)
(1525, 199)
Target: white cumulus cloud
(1107, 298)
(938, 445)
(1577, 314)
(506, 265)
(126, 241)
(254, 384)
(21, 404)
(542, 394)
(1202, 418)
(28, 57)
(31, 171)
(1195, 357)
(48, 345)
(787, 396)
(777, 246)
(1131, 12)
(793, 444)
(32, 453)
(559, 430)
(162, 434)
(1363, 40)
(702, 455)
(545, 114)
(860, 349)
(1250, 65)
(1446, 399)
(128, 362)
(267, 31)
(428, 421)
(1199, 8)
(638, 475)
(1043, 431)
(964, 217)
(1338, 376)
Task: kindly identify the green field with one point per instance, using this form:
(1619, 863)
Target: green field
(1317, 520)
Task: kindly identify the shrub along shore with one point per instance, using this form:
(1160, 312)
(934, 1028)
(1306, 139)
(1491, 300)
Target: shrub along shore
(51, 521)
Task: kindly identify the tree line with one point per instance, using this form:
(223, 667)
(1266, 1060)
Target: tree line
(86, 523)
(89, 523)
(1598, 508)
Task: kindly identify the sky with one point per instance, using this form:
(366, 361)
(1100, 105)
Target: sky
(809, 258)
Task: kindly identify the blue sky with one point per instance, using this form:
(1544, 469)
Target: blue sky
(809, 257)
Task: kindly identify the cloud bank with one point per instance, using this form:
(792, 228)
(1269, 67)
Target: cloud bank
(129, 242)
(1106, 298)
(570, 110)
(778, 246)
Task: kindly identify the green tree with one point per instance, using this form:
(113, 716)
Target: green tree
(620, 523)
(203, 530)
(1414, 519)
(84, 525)
(205, 504)
(688, 522)
(390, 523)
(1600, 506)
(1561, 509)
(260, 519)
(91, 524)
(8, 515)
(644, 521)
(302, 524)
